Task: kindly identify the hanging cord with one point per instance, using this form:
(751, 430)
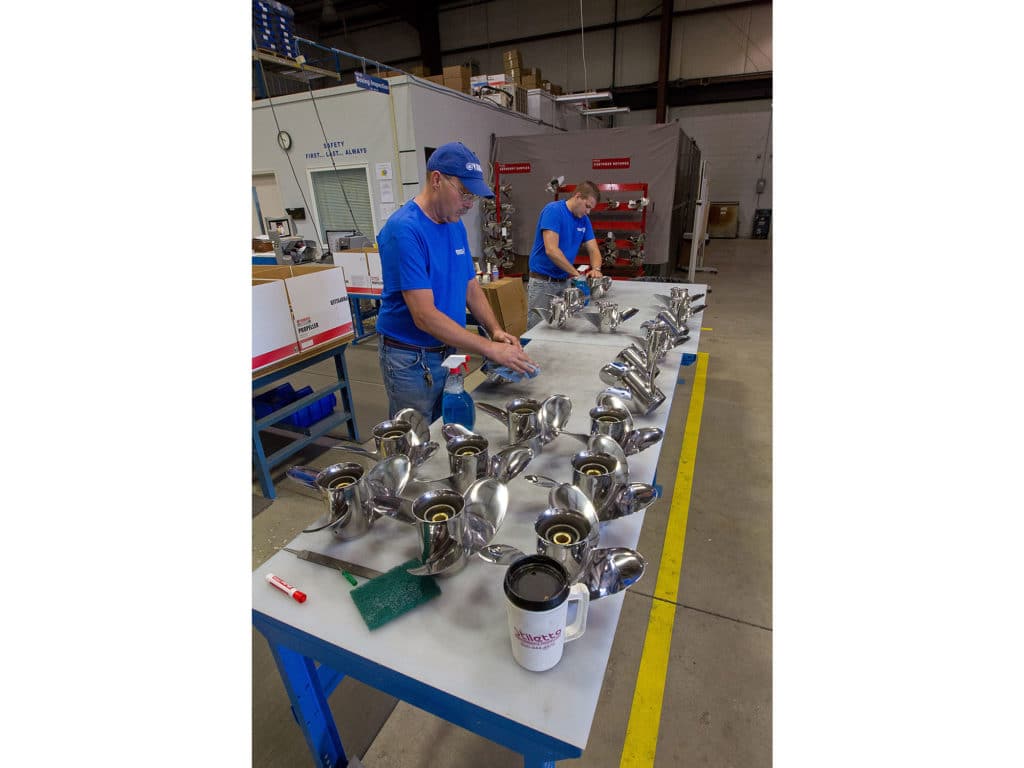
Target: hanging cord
(337, 174)
(287, 157)
(583, 48)
(764, 156)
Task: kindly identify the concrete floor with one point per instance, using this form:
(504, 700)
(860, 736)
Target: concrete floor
(718, 688)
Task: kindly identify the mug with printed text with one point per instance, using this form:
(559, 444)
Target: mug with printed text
(537, 597)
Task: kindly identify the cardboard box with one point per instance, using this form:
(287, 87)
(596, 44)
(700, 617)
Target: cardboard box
(507, 298)
(496, 80)
(458, 77)
(318, 298)
(357, 272)
(439, 79)
(319, 305)
(457, 71)
(376, 271)
(458, 85)
(273, 332)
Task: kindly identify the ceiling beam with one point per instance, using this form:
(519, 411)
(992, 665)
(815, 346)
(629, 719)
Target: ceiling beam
(709, 90)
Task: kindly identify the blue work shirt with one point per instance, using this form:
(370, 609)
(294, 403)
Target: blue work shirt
(416, 252)
(572, 232)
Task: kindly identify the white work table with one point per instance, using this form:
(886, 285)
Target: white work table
(625, 293)
(451, 655)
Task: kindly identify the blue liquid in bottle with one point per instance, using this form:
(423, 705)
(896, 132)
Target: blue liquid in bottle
(458, 408)
(456, 404)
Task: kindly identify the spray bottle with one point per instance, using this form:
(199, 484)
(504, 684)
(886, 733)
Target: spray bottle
(581, 283)
(456, 404)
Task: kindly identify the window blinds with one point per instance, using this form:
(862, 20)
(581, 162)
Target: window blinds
(332, 212)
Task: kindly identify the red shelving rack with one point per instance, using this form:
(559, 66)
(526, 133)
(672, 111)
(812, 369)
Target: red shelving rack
(601, 224)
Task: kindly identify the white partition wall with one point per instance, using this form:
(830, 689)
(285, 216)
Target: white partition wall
(351, 128)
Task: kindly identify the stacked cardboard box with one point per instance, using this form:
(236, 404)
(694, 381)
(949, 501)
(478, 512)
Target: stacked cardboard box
(419, 70)
(531, 78)
(513, 62)
(273, 27)
(457, 77)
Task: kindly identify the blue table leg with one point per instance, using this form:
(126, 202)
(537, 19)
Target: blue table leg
(345, 393)
(537, 761)
(310, 707)
(262, 465)
(357, 318)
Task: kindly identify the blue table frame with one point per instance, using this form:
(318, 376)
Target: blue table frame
(344, 415)
(308, 685)
(358, 316)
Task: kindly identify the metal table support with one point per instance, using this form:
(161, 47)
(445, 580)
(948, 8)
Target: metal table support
(358, 316)
(309, 685)
(344, 415)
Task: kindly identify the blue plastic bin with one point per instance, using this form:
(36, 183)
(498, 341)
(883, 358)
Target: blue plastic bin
(277, 398)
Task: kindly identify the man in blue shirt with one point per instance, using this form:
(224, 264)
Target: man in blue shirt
(429, 281)
(563, 226)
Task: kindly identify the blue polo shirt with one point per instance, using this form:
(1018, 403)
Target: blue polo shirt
(416, 252)
(572, 233)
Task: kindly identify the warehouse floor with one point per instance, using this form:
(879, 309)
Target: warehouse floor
(717, 701)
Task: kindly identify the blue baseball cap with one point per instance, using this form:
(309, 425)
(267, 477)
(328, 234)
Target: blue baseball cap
(456, 159)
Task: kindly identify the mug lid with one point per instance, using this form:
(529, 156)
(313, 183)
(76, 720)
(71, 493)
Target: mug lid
(536, 583)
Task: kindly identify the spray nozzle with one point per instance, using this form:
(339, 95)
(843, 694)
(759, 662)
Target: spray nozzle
(456, 363)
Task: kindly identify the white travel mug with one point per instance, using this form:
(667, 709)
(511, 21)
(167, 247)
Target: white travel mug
(537, 597)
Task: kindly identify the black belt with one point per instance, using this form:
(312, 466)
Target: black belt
(389, 342)
(547, 278)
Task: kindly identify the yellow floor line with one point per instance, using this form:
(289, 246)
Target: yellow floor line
(645, 714)
(706, 329)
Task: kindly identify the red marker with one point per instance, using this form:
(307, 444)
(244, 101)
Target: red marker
(284, 586)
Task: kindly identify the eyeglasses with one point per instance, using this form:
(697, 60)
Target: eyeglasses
(467, 197)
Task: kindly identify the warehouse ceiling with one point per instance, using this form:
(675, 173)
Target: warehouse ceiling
(325, 19)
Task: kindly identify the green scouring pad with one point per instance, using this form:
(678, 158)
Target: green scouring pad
(393, 593)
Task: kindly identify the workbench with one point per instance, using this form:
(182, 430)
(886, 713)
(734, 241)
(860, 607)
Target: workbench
(343, 415)
(452, 655)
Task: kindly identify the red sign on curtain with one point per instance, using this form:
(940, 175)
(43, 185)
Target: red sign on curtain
(513, 167)
(605, 163)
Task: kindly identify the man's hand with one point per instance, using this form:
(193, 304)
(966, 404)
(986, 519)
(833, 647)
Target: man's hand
(502, 337)
(511, 355)
(596, 272)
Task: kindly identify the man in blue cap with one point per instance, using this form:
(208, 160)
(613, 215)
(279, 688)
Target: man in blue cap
(429, 280)
(563, 226)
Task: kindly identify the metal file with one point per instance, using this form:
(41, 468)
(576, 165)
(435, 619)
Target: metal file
(333, 562)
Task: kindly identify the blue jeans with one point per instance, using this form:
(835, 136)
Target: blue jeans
(539, 293)
(405, 379)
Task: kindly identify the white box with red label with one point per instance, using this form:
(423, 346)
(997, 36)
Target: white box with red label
(376, 271)
(319, 305)
(357, 273)
(273, 332)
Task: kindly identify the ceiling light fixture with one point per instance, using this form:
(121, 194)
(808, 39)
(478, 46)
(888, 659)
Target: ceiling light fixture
(585, 96)
(603, 111)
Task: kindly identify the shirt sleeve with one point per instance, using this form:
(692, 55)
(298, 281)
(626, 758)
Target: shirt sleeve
(411, 256)
(589, 234)
(549, 219)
